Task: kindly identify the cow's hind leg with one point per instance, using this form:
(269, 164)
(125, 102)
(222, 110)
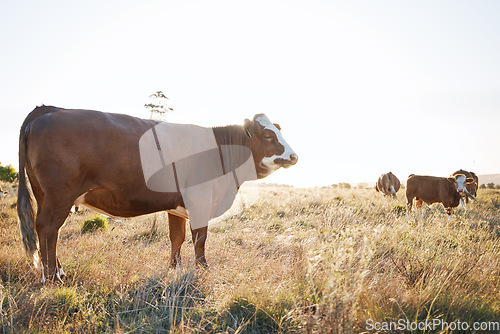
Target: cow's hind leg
(177, 234)
(48, 222)
(409, 204)
(199, 236)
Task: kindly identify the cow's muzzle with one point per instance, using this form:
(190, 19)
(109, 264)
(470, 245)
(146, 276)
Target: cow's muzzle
(292, 160)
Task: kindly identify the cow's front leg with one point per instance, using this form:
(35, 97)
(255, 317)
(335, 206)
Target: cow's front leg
(177, 234)
(199, 237)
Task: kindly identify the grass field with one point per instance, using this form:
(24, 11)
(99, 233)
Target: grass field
(285, 260)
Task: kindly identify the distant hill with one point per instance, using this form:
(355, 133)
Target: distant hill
(489, 178)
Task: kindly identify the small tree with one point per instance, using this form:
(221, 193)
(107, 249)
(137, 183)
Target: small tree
(158, 105)
(8, 173)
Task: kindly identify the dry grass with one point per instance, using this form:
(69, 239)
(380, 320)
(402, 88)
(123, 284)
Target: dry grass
(288, 261)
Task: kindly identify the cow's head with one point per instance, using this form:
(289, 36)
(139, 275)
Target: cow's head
(460, 180)
(270, 151)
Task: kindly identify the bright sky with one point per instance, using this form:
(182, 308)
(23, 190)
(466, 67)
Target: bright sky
(360, 88)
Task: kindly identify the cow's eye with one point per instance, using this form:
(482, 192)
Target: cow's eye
(268, 137)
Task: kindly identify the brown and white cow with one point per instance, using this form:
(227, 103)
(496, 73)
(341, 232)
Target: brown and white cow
(388, 184)
(432, 189)
(471, 187)
(93, 158)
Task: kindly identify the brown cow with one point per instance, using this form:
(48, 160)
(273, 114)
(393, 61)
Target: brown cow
(471, 187)
(432, 189)
(93, 158)
(388, 184)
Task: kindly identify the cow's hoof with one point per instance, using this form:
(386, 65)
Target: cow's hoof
(202, 265)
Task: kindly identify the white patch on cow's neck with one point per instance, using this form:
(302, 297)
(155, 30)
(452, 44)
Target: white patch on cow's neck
(268, 162)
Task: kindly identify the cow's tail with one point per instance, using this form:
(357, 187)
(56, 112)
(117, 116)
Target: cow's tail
(25, 208)
(393, 191)
(25, 205)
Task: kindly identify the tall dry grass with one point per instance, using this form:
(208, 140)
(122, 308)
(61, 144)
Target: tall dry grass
(287, 261)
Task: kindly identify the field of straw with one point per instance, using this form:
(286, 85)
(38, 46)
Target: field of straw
(284, 260)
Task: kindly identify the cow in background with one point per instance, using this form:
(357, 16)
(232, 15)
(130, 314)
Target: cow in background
(432, 189)
(471, 187)
(388, 184)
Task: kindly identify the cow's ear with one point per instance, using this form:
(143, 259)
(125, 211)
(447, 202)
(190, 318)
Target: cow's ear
(248, 125)
(277, 126)
(451, 179)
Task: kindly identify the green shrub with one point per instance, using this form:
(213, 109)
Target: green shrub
(95, 224)
(399, 210)
(8, 173)
(64, 300)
